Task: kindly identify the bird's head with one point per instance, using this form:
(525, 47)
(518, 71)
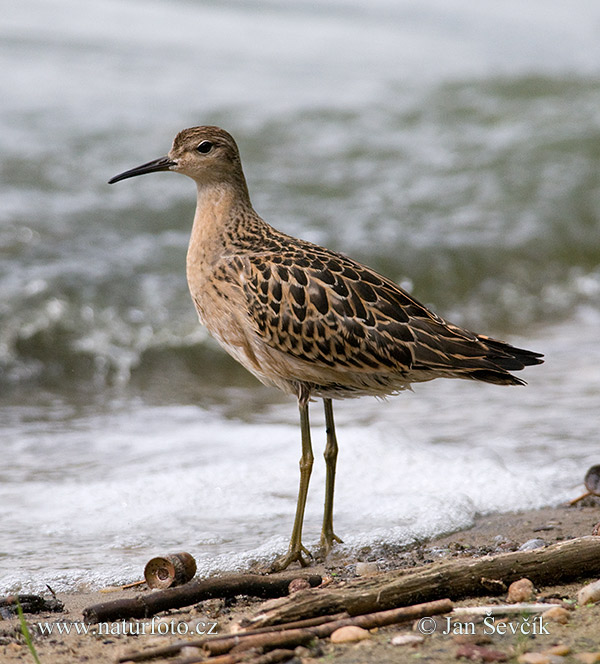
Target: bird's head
(208, 155)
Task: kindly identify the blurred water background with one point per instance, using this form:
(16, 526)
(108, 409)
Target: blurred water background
(454, 146)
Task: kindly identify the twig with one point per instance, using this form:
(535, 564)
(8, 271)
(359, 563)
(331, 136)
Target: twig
(147, 605)
(501, 610)
(285, 638)
(298, 637)
(114, 589)
(579, 498)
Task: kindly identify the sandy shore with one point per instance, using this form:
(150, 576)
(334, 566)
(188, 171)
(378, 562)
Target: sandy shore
(490, 534)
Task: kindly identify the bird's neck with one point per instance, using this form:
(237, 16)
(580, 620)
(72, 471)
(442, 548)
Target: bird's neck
(222, 210)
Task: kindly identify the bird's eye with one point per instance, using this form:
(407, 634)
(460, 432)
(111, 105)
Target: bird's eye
(204, 147)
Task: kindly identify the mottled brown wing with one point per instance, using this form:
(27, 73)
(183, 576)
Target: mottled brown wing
(324, 308)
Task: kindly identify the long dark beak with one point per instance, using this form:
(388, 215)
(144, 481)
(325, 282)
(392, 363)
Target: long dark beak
(162, 164)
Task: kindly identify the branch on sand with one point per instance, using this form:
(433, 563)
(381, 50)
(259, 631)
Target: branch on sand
(290, 638)
(147, 605)
(456, 579)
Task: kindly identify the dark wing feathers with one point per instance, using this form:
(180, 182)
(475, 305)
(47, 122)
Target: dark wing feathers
(327, 309)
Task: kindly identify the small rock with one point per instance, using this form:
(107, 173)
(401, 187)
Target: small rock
(494, 586)
(303, 652)
(298, 584)
(588, 657)
(534, 658)
(589, 593)
(560, 649)
(366, 569)
(348, 634)
(531, 544)
(192, 651)
(407, 640)
(480, 654)
(520, 591)
(556, 614)
(504, 544)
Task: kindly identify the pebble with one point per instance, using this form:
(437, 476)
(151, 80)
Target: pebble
(349, 633)
(520, 591)
(407, 640)
(533, 658)
(557, 614)
(588, 657)
(538, 658)
(366, 569)
(589, 593)
(298, 584)
(480, 653)
(532, 544)
(560, 649)
(192, 651)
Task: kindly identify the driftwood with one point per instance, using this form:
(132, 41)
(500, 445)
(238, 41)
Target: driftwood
(149, 604)
(296, 637)
(174, 648)
(31, 604)
(456, 579)
(284, 638)
(500, 609)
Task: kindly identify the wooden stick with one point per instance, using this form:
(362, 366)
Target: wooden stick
(296, 637)
(238, 643)
(501, 609)
(147, 605)
(301, 624)
(174, 648)
(576, 500)
(114, 589)
(456, 579)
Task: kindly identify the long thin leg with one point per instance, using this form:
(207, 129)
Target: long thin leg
(296, 549)
(328, 537)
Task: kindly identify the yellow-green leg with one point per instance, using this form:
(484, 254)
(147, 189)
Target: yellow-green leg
(296, 549)
(328, 537)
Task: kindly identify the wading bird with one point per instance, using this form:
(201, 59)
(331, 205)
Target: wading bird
(310, 321)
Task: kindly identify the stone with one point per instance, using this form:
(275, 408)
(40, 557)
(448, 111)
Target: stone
(348, 634)
(588, 657)
(298, 584)
(367, 569)
(407, 640)
(556, 614)
(532, 544)
(192, 651)
(520, 591)
(480, 653)
(589, 593)
(535, 658)
(560, 649)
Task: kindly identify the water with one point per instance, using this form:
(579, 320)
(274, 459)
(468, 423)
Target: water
(455, 148)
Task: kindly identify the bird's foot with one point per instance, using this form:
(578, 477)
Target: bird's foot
(295, 553)
(327, 540)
